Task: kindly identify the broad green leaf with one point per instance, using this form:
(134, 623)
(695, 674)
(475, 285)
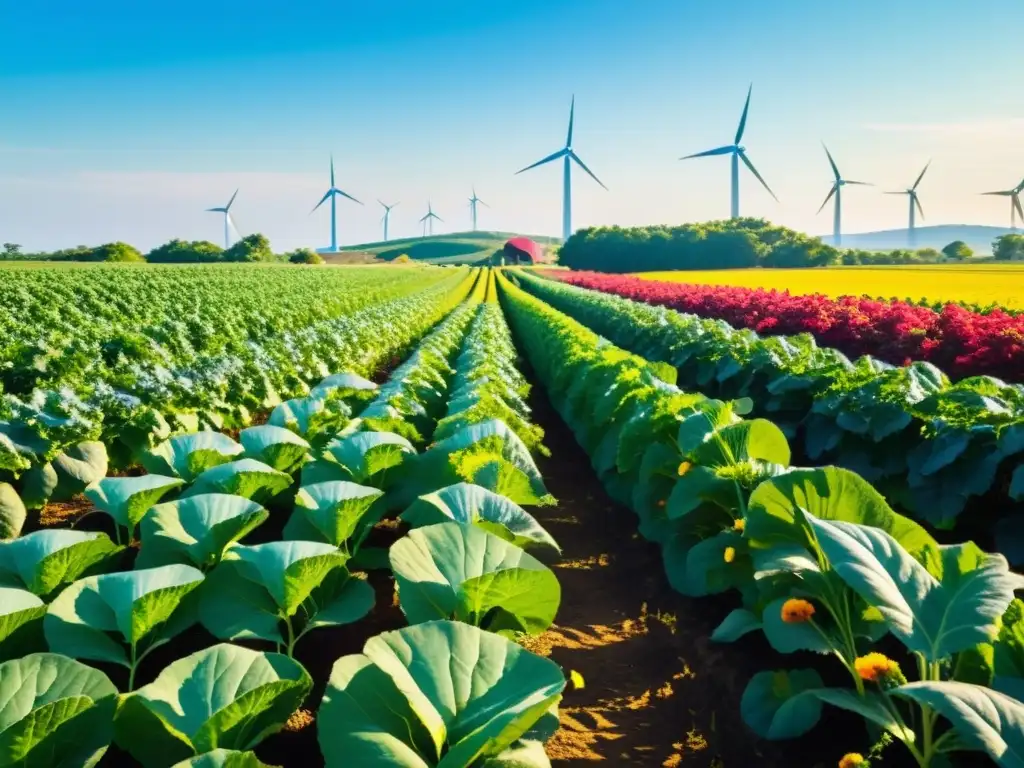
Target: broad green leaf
(54, 712)
(223, 758)
(188, 456)
(698, 567)
(870, 705)
(45, 561)
(755, 439)
(774, 707)
(344, 381)
(336, 512)
(983, 719)
(931, 617)
(224, 697)
(738, 623)
(246, 477)
(790, 638)
(78, 467)
(366, 454)
(450, 570)
(12, 512)
(471, 504)
(1008, 649)
(276, 447)
(99, 617)
(21, 623)
(402, 701)
(197, 530)
(127, 499)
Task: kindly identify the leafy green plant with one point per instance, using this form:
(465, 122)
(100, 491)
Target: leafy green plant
(276, 447)
(188, 456)
(122, 617)
(45, 561)
(54, 712)
(221, 698)
(471, 504)
(66, 475)
(402, 702)
(454, 571)
(248, 478)
(197, 530)
(21, 623)
(222, 758)
(280, 591)
(313, 418)
(127, 499)
(337, 512)
(366, 458)
(12, 512)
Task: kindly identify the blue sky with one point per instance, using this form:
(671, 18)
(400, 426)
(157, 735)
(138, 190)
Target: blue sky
(124, 120)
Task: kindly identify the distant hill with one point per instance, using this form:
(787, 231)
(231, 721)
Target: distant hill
(453, 248)
(978, 237)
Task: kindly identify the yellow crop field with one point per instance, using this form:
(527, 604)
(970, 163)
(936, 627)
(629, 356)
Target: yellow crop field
(1001, 284)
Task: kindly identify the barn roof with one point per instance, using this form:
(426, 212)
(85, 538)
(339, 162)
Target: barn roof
(528, 247)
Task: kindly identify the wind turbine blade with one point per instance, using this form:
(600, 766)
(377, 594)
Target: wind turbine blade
(572, 114)
(215, 210)
(438, 217)
(324, 199)
(425, 217)
(548, 159)
(753, 170)
(860, 183)
(232, 200)
(576, 157)
(1000, 194)
(1019, 187)
(922, 175)
(832, 162)
(917, 202)
(332, 171)
(1016, 204)
(710, 152)
(830, 193)
(904, 192)
(346, 194)
(379, 201)
(743, 119)
(485, 205)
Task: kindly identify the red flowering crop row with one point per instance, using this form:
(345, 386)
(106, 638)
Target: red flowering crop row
(960, 342)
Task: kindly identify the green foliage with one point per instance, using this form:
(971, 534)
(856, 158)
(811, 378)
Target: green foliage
(185, 252)
(254, 247)
(958, 250)
(1008, 247)
(303, 256)
(117, 252)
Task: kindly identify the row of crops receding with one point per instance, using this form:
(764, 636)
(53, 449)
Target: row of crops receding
(208, 505)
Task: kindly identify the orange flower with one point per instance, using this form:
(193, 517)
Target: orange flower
(852, 760)
(796, 611)
(876, 667)
(729, 555)
(684, 468)
(661, 502)
(739, 525)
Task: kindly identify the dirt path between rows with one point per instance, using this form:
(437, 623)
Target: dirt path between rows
(657, 691)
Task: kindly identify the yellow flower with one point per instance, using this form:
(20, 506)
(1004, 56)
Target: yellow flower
(739, 525)
(796, 611)
(684, 468)
(876, 667)
(852, 760)
(729, 555)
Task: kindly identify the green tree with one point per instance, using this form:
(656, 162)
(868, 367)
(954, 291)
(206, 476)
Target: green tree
(1008, 247)
(255, 247)
(928, 254)
(185, 252)
(11, 250)
(116, 252)
(958, 250)
(304, 256)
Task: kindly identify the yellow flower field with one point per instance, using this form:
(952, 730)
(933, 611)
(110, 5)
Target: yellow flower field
(977, 284)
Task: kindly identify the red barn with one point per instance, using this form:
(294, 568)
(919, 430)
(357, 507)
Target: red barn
(520, 250)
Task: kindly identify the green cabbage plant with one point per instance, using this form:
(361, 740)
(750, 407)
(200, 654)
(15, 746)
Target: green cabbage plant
(46, 561)
(127, 499)
(336, 512)
(188, 456)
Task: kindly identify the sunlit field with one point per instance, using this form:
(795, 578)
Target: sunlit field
(1001, 284)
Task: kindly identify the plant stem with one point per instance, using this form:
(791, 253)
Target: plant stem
(291, 638)
(131, 669)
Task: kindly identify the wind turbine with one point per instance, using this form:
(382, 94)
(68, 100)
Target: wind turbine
(914, 201)
(428, 220)
(332, 194)
(472, 206)
(840, 182)
(567, 153)
(738, 153)
(228, 222)
(387, 215)
(1014, 195)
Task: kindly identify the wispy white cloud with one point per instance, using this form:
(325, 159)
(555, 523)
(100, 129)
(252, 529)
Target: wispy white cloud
(995, 127)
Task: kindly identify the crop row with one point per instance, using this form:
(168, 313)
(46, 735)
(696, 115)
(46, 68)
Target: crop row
(957, 340)
(53, 441)
(818, 559)
(311, 492)
(936, 448)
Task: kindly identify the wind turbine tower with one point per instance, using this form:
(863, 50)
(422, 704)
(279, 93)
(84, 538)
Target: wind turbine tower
(737, 152)
(332, 195)
(837, 185)
(915, 202)
(1014, 195)
(228, 221)
(387, 216)
(569, 155)
(473, 201)
(428, 220)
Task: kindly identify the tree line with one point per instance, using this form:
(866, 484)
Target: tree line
(740, 243)
(252, 248)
